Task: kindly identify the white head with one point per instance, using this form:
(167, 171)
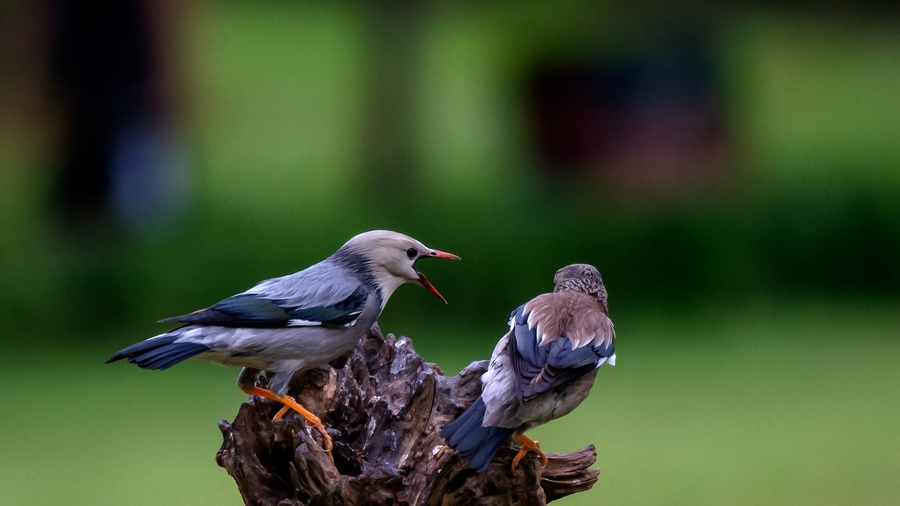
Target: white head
(391, 258)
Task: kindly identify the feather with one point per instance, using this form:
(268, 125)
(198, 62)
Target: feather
(475, 443)
(159, 353)
(282, 302)
(544, 364)
(572, 314)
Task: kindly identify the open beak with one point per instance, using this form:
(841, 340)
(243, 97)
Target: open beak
(424, 281)
(428, 286)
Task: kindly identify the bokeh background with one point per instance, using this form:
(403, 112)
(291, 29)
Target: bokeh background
(734, 173)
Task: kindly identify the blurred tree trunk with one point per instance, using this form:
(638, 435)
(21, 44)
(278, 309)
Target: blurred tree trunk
(384, 406)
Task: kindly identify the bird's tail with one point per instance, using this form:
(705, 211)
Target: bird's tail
(475, 443)
(160, 352)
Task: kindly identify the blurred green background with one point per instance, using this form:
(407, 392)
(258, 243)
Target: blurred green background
(734, 173)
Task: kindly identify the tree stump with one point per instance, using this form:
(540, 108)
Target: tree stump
(384, 407)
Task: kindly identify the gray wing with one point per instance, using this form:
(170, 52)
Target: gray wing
(540, 368)
(323, 294)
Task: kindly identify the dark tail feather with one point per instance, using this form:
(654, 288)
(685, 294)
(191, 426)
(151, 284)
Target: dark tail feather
(160, 352)
(475, 443)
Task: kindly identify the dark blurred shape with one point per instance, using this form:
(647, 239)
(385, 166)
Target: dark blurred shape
(837, 238)
(120, 152)
(101, 60)
(650, 120)
(874, 9)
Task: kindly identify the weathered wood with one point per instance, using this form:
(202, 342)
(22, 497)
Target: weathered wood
(384, 406)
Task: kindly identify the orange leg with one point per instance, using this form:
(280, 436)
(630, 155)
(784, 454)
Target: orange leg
(289, 403)
(281, 412)
(527, 446)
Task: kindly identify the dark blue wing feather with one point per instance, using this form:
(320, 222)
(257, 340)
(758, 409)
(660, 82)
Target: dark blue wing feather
(543, 368)
(159, 352)
(262, 310)
(475, 443)
(251, 306)
(342, 312)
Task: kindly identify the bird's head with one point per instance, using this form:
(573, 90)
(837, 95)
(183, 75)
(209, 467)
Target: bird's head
(391, 258)
(582, 278)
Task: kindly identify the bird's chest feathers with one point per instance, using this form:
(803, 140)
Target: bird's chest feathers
(387, 283)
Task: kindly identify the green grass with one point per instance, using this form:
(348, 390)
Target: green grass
(786, 406)
(77, 432)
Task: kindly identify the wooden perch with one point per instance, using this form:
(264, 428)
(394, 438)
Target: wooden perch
(384, 406)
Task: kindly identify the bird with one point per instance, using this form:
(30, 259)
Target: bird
(295, 322)
(540, 370)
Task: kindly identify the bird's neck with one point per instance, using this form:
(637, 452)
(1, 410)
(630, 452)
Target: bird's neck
(387, 284)
(375, 278)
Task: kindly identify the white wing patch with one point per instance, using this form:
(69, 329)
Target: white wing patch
(607, 360)
(306, 323)
(533, 325)
(303, 323)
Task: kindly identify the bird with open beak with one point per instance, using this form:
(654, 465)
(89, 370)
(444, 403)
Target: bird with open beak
(542, 369)
(295, 322)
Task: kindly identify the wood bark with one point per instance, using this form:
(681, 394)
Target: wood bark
(384, 407)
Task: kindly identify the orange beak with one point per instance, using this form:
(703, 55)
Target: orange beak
(424, 281)
(428, 286)
(440, 254)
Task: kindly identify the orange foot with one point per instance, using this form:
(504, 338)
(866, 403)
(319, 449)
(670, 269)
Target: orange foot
(527, 446)
(289, 403)
(440, 452)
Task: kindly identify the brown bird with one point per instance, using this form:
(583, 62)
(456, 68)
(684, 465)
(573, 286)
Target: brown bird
(542, 369)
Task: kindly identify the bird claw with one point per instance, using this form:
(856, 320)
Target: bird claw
(327, 444)
(440, 453)
(317, 424)
(289, 403)
(528, 445)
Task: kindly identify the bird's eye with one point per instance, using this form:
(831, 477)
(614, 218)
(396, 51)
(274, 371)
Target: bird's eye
(412, 253)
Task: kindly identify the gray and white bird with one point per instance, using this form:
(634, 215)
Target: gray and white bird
(542, 369)
(295, 322)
